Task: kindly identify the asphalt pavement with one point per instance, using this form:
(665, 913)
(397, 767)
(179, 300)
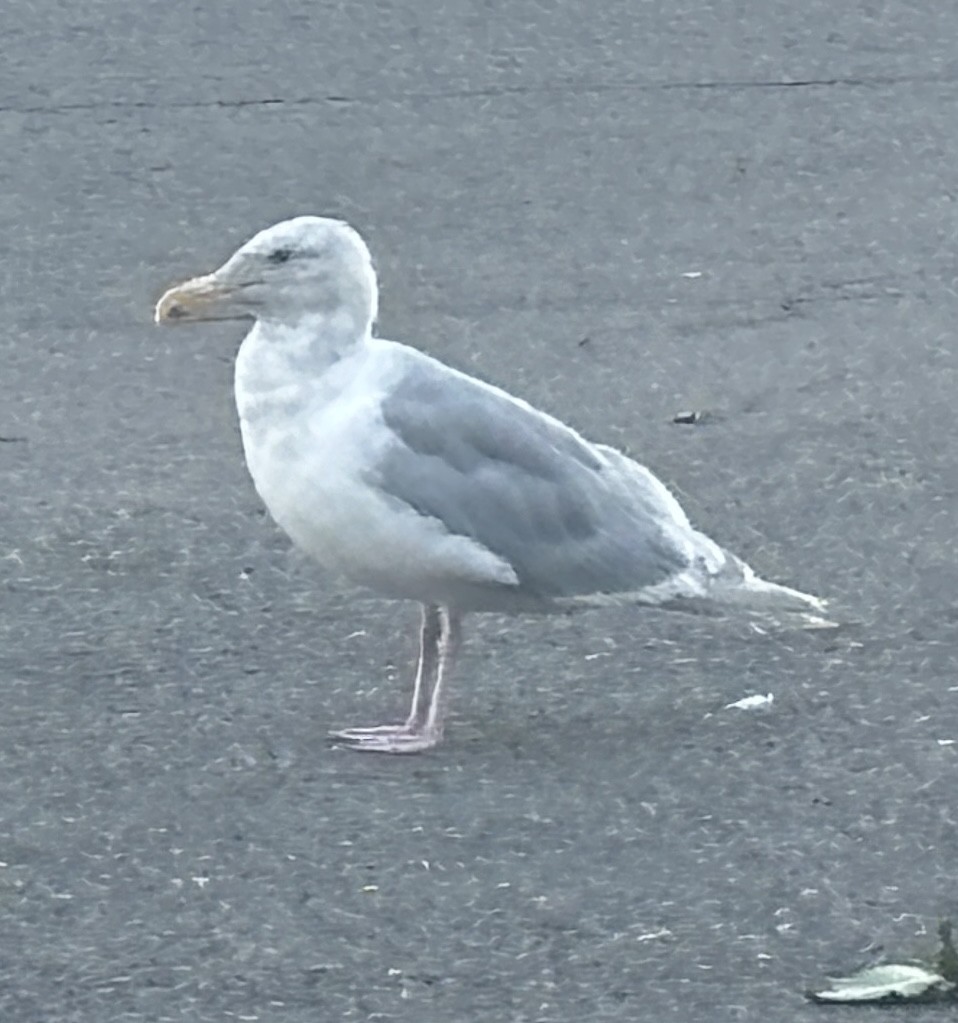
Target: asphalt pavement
(623, 212)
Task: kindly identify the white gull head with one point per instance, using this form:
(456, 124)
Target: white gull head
(304, 269)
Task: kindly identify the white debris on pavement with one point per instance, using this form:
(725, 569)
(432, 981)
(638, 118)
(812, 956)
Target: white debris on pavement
(756, 702)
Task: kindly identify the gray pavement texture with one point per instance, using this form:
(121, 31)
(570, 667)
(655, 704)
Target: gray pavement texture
(621, 211)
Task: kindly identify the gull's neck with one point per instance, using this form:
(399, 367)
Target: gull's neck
(313, 341)
(280, 362)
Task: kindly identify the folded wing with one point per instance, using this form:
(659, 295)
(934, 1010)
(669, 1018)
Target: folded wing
(572, 519)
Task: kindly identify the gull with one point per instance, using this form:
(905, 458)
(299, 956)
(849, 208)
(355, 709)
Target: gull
(423, 483)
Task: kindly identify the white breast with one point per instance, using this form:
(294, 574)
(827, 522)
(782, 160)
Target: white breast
(312, 444)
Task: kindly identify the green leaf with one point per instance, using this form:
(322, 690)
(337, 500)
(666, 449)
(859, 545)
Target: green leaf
(890, 982)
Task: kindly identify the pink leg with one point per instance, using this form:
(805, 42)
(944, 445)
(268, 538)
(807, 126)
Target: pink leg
(438, 644)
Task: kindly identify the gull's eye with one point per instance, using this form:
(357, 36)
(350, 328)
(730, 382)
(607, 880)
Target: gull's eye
(278, 256)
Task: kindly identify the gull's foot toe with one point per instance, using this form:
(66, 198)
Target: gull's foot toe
(389, 738)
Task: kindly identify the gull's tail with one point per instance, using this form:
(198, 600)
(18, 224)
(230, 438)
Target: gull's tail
(717, 581)
(737, 585)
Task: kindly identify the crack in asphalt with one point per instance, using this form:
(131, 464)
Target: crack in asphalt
(878, 81)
